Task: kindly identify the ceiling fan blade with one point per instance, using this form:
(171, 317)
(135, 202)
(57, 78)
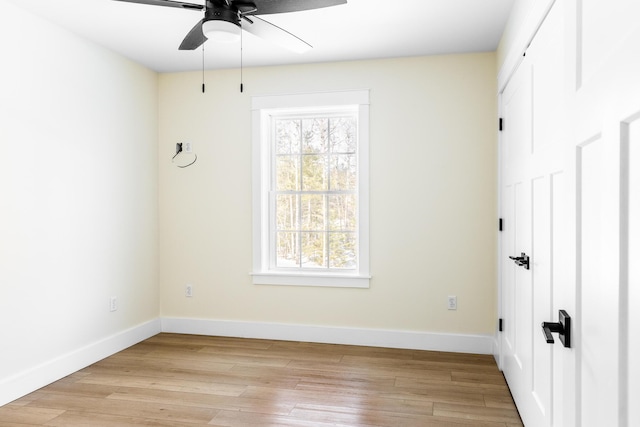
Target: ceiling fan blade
(267, 7)
(194, 39)
(274, 34)
(168, 3)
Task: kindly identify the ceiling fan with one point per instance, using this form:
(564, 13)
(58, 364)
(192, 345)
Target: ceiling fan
(224, 20)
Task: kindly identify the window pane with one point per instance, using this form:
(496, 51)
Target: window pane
(344, 172)
(313, 212)
(342, 250)
(343, 135)
(288, 136)
(314, 250)
(287, 250)
(315, 135)
(287, 173)
(342, 212)
(287, 211)
(314, 170)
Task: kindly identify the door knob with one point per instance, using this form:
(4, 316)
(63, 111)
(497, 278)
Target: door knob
(562, 327)
(522, 260)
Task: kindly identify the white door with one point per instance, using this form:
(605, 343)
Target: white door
(516, 289)
(533, 181)
(570, 191)
(605, 110)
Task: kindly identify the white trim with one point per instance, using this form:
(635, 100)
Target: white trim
(528, 30)
(497, 350)
(457, 343)
(23, 383)
(317, 99)
(326, 280)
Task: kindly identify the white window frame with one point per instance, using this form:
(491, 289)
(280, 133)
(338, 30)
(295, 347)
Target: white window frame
(263, 107)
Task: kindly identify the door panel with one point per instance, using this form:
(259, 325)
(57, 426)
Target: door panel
(597, 39)
(633, 276)
(597, 292)
(522, 283)
(542, 292)
(508, 273)
(560, 273)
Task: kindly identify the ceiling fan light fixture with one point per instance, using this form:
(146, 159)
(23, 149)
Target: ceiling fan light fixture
(221, 31)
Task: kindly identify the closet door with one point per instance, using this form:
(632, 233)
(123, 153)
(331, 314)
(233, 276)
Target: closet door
(571, 200)
(605, 115)
(534, 212)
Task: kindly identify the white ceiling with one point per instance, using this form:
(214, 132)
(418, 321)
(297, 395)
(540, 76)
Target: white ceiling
(360, 29)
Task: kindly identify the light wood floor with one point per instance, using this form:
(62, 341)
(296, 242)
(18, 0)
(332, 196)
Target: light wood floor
(185, 380)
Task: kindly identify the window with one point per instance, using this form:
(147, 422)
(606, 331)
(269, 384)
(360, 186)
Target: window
(310, 189)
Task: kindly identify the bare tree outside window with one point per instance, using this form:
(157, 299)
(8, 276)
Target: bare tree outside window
(315, 180)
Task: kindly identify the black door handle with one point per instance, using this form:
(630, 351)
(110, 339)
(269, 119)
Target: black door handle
(562, 327)
(522, 260)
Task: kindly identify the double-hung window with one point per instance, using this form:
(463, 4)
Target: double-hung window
(310, 189)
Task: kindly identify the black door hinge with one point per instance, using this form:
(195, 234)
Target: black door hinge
(500, 124)
(500, 224)
(500, 325)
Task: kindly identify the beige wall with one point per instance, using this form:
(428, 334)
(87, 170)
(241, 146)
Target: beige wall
(433, 196)
(78, 195)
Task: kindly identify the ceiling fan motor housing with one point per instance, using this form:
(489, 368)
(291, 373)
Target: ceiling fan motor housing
(229, 11)
(222, 12)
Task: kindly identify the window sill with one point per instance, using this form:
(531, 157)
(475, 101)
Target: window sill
(320, 280)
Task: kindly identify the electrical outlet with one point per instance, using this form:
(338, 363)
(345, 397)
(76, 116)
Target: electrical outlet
(113, 304)
(188, 291)
(188, 147)
(452, 302)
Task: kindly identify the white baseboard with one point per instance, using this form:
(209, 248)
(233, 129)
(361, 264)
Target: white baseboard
(458, 343)
(39, 376)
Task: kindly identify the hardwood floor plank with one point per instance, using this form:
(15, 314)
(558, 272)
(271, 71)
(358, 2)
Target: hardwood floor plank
(238, 419)
(168, 384)
(27, 415)
(175, 380)
(499, 401)
(81, 419)
(180, 340)
(150, 361)
(344, 416)
(478, 378)
(464, 387)
(260, 406)
(245, 419)
(25, 400)
(135, 410)
(478, 413)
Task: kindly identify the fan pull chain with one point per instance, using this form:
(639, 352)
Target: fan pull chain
(241, 78)
(203, 68)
